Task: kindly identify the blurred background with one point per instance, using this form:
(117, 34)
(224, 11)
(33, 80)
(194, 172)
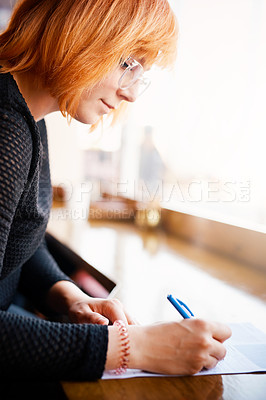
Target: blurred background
(194, 142)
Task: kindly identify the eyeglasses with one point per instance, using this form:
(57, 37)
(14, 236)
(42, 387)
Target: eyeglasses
(133, 74)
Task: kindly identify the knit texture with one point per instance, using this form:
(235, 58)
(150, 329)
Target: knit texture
(31, 347)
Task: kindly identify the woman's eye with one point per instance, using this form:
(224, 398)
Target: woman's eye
(124, 65)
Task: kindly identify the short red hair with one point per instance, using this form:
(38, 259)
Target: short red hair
(71, 45)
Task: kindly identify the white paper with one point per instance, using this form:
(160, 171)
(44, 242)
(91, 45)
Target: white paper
(246, 353)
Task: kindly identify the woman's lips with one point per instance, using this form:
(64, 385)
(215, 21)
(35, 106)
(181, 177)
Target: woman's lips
(108, 105)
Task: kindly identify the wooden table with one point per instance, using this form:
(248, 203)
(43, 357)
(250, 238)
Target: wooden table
(149, 265)
(230, 387)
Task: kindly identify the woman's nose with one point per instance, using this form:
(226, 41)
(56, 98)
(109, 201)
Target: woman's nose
(130, 94)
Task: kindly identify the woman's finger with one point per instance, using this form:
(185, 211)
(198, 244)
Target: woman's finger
(88, 317)
(95, 318)
(220, 331)
(218, 351)
(131, 320)
(114, 311)
(211, 362)
(216, 354)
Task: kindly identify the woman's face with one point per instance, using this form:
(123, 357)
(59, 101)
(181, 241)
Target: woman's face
(102, 98)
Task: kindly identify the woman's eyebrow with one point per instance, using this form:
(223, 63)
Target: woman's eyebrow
(142, 61)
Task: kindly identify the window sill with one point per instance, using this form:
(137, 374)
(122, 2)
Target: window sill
(244, 244)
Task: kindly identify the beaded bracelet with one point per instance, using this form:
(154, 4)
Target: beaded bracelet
(124, 359)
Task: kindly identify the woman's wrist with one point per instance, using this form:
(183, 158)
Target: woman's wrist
(135, 336)
(137, 339)
(125, 346)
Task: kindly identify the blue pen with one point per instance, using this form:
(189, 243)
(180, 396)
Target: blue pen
(180, 306)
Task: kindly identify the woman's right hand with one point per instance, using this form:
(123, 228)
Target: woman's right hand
(182, 348)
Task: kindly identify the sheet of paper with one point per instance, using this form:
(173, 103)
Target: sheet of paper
(246, 353)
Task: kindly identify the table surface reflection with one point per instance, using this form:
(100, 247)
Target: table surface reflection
(226, 387)
(147, 265)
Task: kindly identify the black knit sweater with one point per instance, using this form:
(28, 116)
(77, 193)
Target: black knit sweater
(32, 347)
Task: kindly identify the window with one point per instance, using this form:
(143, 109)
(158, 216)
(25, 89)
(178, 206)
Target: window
(206, 120)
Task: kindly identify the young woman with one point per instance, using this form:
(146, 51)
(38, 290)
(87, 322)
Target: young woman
(84, 58)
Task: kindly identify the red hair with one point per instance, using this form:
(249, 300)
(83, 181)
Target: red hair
(70, 45)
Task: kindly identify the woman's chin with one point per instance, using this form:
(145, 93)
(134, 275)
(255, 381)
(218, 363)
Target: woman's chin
(87, 119)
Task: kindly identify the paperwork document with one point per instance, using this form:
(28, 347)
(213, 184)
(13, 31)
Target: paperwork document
(246, 353)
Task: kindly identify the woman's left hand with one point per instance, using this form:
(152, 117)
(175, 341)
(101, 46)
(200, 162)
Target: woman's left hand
(66, 298)
(98, 311)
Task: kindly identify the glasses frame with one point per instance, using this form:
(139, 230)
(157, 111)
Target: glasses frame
(143, 79)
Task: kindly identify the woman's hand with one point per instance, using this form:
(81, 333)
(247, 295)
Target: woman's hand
(183, 348)
(66, 298)
(173, 348)
(98, 311)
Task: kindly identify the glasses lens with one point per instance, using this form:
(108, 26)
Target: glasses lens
(133, 77)
(130, 76)
(143, 83)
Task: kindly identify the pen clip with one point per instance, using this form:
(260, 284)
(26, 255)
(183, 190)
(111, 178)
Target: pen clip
(186, 307)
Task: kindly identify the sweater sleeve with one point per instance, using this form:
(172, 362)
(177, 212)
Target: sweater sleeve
(32, 347)
(15, 161)
(35, 348)
(39, 274)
